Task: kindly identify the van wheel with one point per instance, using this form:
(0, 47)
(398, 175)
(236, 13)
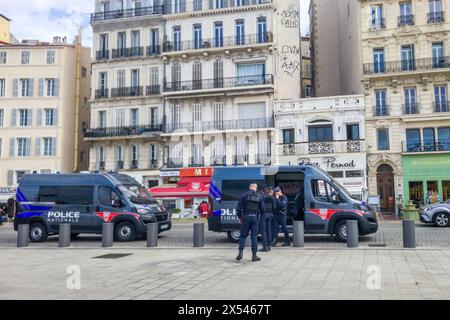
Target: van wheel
(125, 232)
(442, 219)
(233, 236)
(38, 232)
(341, 231)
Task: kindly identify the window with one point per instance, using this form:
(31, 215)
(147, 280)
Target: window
(308, 91)
(134, 157)
(197, 117)
(27, 87)
(354, 174)
(336, 174)
(3, 57)
(406, 15)
(2, 87)
(50, 117)
(103, 54)
(197, 5)
(49, 146)
(218, 115)
(429, 141)
(67, 195)
(103, 83)
(444, 139)
(413, 142)
(177, 38)
(25, 117)
(120, 118)
(154, 116)
(2, 117)
(378, 60)
(353, 132)
(23, 147)
(323, 191)
(176, 77)
(320, 133)
(107, 196)
(383, 139)
(135, 42)
(376, 13)
(153, 153)
(438, 55)
(134, 118)
(232, 189)
(102, 119)
(197, 154)
(180, 6)
(262, 30)
(119, 154)
(197, 36)
(154, 40)
(197, 75)
(288, 136)
(435, 14)
(250, 74)
(83, 72)
(25, 59)
(175, 117)
(408, 60)
(120, 78)
(381, 108)
(219, 4)
(440, 98)
(52, 87)
(240, 32)
(51, 56)
(121, 43)
(135, 78)
(218, 34)
(410, 101)
(218, 74)
(154, 81)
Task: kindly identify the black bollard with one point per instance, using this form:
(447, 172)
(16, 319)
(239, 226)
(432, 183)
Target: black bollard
(352, 234)
(23, 235)
(152, 235)
(64, 235)
(107, 235)
(299, 234)
(409, 234)
(199, 235)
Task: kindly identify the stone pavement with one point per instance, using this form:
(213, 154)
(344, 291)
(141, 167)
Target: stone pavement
(186, 273)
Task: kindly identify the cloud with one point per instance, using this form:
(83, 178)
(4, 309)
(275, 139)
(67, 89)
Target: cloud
(304, 16)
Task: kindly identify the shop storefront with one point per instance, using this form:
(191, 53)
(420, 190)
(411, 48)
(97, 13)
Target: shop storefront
(192, 187)
(426, 178)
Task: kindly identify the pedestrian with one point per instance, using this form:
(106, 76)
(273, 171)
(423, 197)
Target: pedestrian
(195, 210)
(281, 218)
(266, 219)
(204, 209)
(3, 215)
(250, 207)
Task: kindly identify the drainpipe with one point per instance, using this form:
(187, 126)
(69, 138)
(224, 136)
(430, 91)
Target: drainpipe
(77, 101)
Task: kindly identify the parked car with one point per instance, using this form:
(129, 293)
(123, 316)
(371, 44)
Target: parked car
(437, 214)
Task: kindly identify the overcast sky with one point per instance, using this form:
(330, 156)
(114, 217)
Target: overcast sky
(43, 19)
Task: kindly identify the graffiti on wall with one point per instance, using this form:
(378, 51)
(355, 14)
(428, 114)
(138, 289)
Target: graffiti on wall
(290, 18)
(290, 53)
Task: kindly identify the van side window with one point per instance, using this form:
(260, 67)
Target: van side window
(30, 193)
(67, 195)
(106, 196)
(323, 191)
(232, 189)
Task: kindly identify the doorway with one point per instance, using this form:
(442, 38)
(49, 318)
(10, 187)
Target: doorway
(385, 185)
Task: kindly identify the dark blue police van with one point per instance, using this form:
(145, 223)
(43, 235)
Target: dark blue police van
(325, 207)
(86, 201)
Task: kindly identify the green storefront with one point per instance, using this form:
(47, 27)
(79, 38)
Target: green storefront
(423, 173)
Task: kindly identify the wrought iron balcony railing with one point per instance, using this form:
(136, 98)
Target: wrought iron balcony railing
(431, 146)
(126, 13)
(196, 162)
(127, 92)
(407, 65)
(153, 90)
(127, 52)
(241, 160)
(442, 106)
(323, 147)
(218, 42)
(121, 131)
(378, 23)
(120, 165)
(202, 5)
(174, 163)
(406, 20)
(102, 55)
(218, 161)
(218, 83)
(436, 17)
(381, 111)
(153, 50)
(263, 159)
(205, 126)
(411, 108)
(101, 93)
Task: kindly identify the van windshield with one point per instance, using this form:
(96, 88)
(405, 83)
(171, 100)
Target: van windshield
(337, 184)
(136, 194)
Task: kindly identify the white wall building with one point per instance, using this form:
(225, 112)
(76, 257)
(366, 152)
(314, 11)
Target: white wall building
(327, 132)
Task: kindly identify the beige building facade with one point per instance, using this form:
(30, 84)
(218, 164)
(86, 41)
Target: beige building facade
(307, 88)
(44, 91)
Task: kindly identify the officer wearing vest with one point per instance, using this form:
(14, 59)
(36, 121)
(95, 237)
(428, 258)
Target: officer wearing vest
(281, 218)
(266, 219)
(250, 208)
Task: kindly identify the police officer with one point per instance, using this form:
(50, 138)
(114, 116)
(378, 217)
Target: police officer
(281, 218)
(266, 219)
(250, 208)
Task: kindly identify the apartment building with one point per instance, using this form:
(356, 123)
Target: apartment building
(5, 35)
(406, 75)
(307, 89)
(44, 91)
(328, 133)
(211, 72)
(127, 105)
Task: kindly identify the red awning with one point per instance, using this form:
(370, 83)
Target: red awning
(177, 192)
(189, 180)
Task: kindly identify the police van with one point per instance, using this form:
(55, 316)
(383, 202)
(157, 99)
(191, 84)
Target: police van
(325, 209)
(86, 201)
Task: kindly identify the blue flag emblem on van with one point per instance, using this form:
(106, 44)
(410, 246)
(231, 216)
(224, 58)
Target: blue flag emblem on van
(30, 210)
(215, 192)
(217, 213)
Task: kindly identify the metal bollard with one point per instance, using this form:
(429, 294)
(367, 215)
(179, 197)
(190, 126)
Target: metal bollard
(352, 234)
(152, 235)
(107, 235)
(64, 235)
(299, 234)
(23, 235)
(409, 234)
(199, 235)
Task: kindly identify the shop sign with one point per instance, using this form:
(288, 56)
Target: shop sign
(196, 172)
(333, 163)
(169, 174)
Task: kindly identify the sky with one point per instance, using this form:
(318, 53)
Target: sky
(44, 19)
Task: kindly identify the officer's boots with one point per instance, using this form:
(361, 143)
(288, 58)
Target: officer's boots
(240, 256)
(255, 258)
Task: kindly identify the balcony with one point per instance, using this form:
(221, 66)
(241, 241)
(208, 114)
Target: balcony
(120, 165)
(134, 164)
(206, 126)
(135, 52)
(127, 92)
(418, 147)
(442, 106)
(218, 83)
(377, 24)
(102, 94)
(212, 43)
(102, 55)
(240, 160)
(203, 5)
(407, 20)
(323, 147)
(406, 66)
(113, 132)
(196, 162)
(153, 164)
(436, 17)
(153, 51)
(263, 159)
(153, 90)
(218, 161)
(174, 163)
(126, 13)
(411, 108)
(101, 165)
(381, 111)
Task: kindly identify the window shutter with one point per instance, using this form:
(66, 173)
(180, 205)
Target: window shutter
(55, 116)
(15, 87)
(56, 87)
(30, 88)
(30, 117)
(53, 146)
(38, 147)
(10, 178)
(41, 87)
(28, 149)
(39, 117)
(12, 147)
(14, 118)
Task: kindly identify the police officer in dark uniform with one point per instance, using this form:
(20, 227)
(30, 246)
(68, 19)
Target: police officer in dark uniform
(281, 218)
(270, 206)
(250, 208)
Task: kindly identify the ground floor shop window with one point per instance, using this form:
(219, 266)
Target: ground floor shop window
(432, 192)
(170, 204)
(416, 192)
(445, 190)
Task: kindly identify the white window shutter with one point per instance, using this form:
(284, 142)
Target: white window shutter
(53, 146)
(39, 117)
(14, 118)
(12, 147)
(30, 88)
(30, 117)
(38, 147)
(55, 115)
(56, 87)
(41, 87)
(28, 149)
(15, 87)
